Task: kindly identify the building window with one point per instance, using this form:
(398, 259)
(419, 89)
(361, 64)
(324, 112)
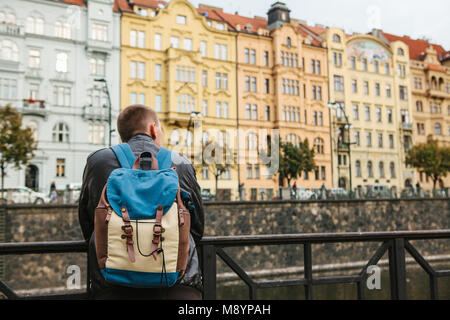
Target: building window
(175, 42)
(60, 167)
(378, 114)
(8, 89)
(288, 42)
(97, 66)
(99, 32)
(419, 106)
(355, 112)
(437, 128)
(158, 103)
(185, 74)
(357, 138)
(133, 69)
(267, 113)
(358, 168)
(203, 48)
(319, 146)
(338, 83)
(96, 133)
(400, 52)
(205, 173)
(158, 72)
(381, 169)
(61, 62)
(187, 44)
(141, 70)
(391, 141)
(157, 42)
(9, 50)
(35, 25)
(392, 169)
(377, 89)
(60, 132)
(369, 139)
(205, 108)
(62, 96)
(403, 93)
(34, 60)
(221, 51)
(181, 19)
(376, 66)
(266, 86)
(389, 115)
(204, 78)
(62, 30)
(380, 140)
(387, 68)
(133, 98)
(355, 86)
(370, 169)
(367, 112)
(388, 91)
(336, 38)
(186, 103)
(420, 129)
(266, 58)
(366, 88)
(364, 64)
(253, 84)
(353, 62)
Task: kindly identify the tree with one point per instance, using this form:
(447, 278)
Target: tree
(17, 145)
(214, 157)
(430, 158)
(294, 160)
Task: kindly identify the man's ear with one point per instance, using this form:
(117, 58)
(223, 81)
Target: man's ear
(152, 130)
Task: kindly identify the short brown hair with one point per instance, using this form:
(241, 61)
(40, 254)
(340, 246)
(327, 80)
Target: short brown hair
(135, 119)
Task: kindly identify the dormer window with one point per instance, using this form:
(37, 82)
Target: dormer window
(288, 42)
(400, 52)
(336, 38)
(181, 19)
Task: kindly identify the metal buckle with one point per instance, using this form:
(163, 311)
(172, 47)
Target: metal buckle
(127, 226)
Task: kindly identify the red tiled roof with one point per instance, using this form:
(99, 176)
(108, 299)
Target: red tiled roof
(234, 19)
(75, 2)
(124, 5)
(436, 68)
(417, 48)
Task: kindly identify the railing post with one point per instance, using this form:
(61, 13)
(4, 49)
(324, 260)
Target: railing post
(2, 239)
(397, 269)
(209, 272)
(307, 260)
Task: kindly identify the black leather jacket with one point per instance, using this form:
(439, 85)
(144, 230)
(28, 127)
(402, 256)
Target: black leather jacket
(99, 166)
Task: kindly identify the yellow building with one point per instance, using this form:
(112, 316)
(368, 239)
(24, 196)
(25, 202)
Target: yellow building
(430, 83)
(371, 123)
(282, 82)
(182, 64)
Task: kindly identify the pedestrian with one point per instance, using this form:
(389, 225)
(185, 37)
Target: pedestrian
(294, 187)
(52, 188)
(139, 126)
(53, 196)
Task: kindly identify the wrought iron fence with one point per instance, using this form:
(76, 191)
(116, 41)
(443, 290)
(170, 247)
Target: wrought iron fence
(395, 243)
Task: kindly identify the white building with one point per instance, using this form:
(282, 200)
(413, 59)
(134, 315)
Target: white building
(51, 52)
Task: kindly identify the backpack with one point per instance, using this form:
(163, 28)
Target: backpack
(141, 224)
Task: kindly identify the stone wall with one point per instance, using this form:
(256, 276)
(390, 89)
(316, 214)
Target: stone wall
(60, 223)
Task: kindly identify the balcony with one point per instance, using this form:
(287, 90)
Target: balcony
(406, 126)
(436, 93)
(96, 113)
(34, 108)
(10, 29)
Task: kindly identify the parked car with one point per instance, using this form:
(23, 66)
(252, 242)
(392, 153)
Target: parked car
(24, 195)
(337, 193)
(304, 194)
(206, 195)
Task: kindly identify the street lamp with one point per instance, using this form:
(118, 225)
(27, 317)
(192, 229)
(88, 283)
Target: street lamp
(193, 115)
(109, 106)
(338, 107)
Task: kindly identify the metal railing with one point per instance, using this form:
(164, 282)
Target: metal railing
(395, 243)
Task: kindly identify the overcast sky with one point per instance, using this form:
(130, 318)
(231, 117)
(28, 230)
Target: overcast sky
(416, 18)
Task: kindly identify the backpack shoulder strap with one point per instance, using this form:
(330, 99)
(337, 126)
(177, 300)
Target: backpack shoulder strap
(124, 154)
(164, 157)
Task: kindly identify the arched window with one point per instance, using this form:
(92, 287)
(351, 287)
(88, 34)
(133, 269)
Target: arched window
(35, 25)
(294, 139)
(400, 52)
(381, 169)
(60, 132)
(9, 50)
(419, 106)
(392, 169)
(358, 168)
(318, 146)
(437, 128)
(336, 38)
(288, 42)
(370, 169)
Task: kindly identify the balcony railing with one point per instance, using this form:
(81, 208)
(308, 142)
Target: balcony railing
(396, 244)
(10, 29)
(407, 126)
(34, 107)
(95, 113)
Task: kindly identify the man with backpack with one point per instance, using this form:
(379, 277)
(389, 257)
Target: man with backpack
(134, 187)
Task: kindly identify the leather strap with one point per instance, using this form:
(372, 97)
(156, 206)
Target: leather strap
(128, 233)
(137, 163)
(157, 230)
